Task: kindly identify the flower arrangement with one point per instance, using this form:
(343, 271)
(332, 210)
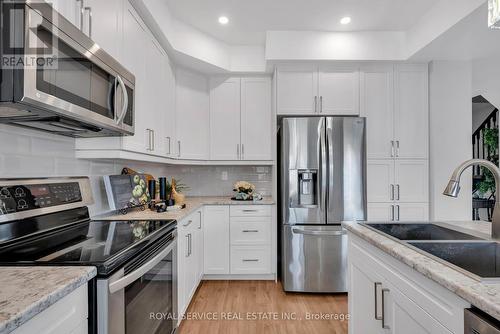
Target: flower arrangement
(244, 190)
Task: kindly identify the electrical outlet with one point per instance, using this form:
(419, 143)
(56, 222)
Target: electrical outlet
(224, 176)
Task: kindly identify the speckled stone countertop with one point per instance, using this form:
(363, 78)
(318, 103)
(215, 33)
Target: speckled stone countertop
(483, 295)
(27, 291)
(192, 204)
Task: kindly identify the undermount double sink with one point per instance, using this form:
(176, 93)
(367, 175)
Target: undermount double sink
(476, 257)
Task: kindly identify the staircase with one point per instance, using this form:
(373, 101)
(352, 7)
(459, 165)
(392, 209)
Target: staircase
(482, 151)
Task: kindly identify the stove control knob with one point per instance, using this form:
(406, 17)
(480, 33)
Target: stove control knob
(4, 193)
(20, 192)
(21, 204)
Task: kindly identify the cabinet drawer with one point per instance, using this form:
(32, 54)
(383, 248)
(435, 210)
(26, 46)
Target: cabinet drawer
(191, 222)
(250, 260)
(250, 231)
(250, 211)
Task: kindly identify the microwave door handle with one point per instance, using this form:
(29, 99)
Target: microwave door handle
(125, 100)
(138, 273)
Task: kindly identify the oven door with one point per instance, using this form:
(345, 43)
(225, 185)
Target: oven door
(142, 301)
(78, 84)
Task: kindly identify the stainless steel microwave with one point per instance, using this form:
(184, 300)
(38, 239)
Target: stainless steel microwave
(55, 78)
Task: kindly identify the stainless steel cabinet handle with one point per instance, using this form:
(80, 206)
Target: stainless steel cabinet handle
(250, 231)
(153, 140)
(81, 13)
(89, 9)
(315, 104)
(392, 192)
(397, 148)
(375, 286)
(248, 210)
(187, 245)
(238, 151)
(169, 145)
(190, 244)
(392, 212)
(397, 209)
(199, 226)
(179, 147)
(392, 149)
(321, 104)
(397, 191)
(188, 223)
(250, 260)
(242, 151)
(150, 145)
(384, 291)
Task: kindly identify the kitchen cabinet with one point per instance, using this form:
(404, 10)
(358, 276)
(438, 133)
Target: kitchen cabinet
(377, 104)
(216, 240)
(68, 315)
(70, 9)
(192, 115)
(380, 212)
(384, 292)
(240, 119)
(411, 111)
(102, 22)
(338, 90)
(309, 89)
(189, 258)
(394, 99)
(395, 211)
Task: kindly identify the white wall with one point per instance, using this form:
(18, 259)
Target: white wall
(450, 137)
(486, 80)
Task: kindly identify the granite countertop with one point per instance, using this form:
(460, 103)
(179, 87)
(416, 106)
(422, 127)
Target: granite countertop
(27, 291)
(483, 295)
(192, 204)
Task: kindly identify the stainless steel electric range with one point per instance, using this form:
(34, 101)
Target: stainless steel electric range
(47, 222)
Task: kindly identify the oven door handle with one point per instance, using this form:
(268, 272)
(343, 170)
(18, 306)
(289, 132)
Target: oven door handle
(135, 275)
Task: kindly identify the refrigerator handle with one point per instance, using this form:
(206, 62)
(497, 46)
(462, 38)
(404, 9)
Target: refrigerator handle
(329, 185)
(323, 174)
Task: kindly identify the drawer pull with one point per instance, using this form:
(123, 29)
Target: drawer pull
(250, 231)
(250, 260)
(247, 210)
(188, 223)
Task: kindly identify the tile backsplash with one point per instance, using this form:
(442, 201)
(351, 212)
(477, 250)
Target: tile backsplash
(27, 153)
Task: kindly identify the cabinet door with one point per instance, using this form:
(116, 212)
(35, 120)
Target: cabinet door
(199, 245)
(182, 268)
(404, 316)
(216, 240)
(381, 212)
(167, 95)
(102, 22)
(70, 9)
(225, 119)
(412, 181)
(380, 180)
(412, 212)
(297, 90)
(192, 116)
(135, 44)
(364, 286)
(256, 119)
(377, 105)
(338, 90)
(411, 111)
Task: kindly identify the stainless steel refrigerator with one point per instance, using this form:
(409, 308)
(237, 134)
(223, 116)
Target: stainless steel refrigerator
(322, 183)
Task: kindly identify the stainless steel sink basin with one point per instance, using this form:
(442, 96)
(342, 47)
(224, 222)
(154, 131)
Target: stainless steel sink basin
(420, 231)
(481, 258)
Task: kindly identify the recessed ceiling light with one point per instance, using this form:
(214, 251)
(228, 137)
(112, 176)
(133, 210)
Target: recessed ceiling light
(345, 20)
(223, 20)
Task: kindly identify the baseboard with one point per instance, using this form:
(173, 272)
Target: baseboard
(261, 277)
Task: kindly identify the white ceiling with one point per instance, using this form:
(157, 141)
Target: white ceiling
(250, 19)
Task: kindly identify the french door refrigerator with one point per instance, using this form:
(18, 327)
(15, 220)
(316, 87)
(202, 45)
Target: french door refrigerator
(322, 183)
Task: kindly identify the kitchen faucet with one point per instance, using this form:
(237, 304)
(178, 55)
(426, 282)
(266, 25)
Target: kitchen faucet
(453, 188)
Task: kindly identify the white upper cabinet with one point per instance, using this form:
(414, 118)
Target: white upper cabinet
(411, 111)
(329, 90)
(380, 180)
(168, 112)
(338, 90)
(70, 9)
(240, 119)
(225, 118)
(192, 115)
(102, 22)
(411, 180)
(297, 90)
(256, 120)
(377, 105)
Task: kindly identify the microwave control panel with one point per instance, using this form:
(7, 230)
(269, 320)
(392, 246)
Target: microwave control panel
(28, 197)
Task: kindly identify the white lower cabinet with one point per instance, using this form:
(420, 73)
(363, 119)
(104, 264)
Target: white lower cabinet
(216, 240)
(67, 316)
(189, 258)
(387, 296)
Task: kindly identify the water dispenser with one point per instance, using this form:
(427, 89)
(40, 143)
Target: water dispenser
(307, 187)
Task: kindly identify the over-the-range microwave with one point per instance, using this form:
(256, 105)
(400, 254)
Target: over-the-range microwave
(55, 78)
